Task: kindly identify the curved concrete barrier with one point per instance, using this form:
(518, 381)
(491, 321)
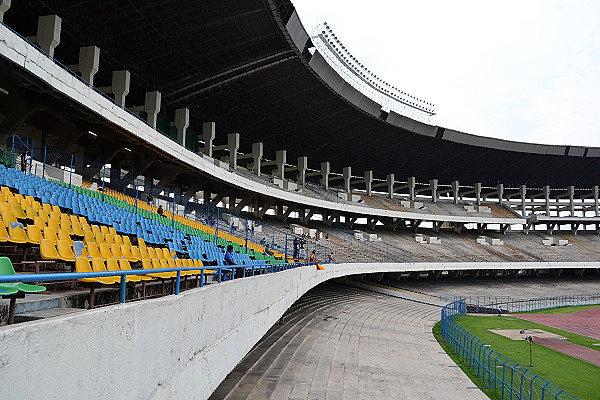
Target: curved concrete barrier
(172, 347)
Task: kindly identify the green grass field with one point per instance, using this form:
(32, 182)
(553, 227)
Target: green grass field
(577, 377)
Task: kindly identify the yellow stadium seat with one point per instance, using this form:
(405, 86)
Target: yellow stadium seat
(17, 233)
(95, 229)
(117, 239)
(144, 253)
(147, 265)
(135, 252)
(65, 251)
(31, 213)
(64, 235)
(126, 240)
(83, 265)
(50, 233)
(48, 250)
(88, 236)
(126, 251)
(105, 251)
(115, 249)
(8, 217)
(34, 233)
(13, 201)
(4, 206)
(113, 265)
(76, 229)
(141, 242)
(93, 250)
(98, 265)
(104, 229)
(125, 266)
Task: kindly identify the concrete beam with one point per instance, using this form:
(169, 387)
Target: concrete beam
(302, 166)
(368, 181)
(208, 134)
(4, 6)
(152, 103)
(325, 171)
(233, 142)
(347, 175)
(182, 121)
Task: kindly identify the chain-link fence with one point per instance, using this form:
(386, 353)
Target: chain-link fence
(509, 378)
(506, 304)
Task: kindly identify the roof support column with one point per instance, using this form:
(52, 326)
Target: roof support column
(208, 134)
(595, 193)
(302, 166)
(368, 181)
(120, 86)
(280, 158)
(48, 33)
(500, 190)
(257, 153)
(182, 121)
(522, 193)
(152, 106)
(4, 6)
(233, 142)
(455, 191)
(547, 200)
(433, 184)
(477, 193)
(411, 188)
(571, 193)
(347, 174)
(390, 185)
(325, 171)
(89, 63)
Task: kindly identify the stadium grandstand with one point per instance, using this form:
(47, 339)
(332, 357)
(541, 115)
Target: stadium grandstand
(143, 144)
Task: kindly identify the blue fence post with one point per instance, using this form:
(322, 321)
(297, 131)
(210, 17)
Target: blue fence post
(178, 282)
(202, 277)
(122, 288)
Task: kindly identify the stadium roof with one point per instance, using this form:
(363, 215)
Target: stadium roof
(236, 63)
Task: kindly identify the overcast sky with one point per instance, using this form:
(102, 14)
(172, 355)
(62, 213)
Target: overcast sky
(526, 70)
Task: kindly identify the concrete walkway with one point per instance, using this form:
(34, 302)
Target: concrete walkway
(340, 342)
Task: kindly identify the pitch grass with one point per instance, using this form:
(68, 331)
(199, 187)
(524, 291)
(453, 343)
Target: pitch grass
(575, 376)
(561, 310)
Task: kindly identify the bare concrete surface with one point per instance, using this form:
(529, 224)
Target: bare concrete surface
(341, 342)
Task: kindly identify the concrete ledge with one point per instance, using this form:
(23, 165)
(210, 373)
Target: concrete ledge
(173, 347)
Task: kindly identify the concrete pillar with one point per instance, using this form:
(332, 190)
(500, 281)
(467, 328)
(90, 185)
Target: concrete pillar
(280, 158)
(325, 171)
(4, 6)
(522, 193)
(120, 86)
(368, 181)
(347, 174)
(595, 192)
(478, 193)
(546, 190)
(433, 184)
(233, 142)
(48, 33)
(89, 62)
(182, 121)
(208, 134)
(455, 190)
(257, 153)
(571, 193)
(152, 106)
(500, 189)
(390, 184)
(302, 166)
(411, 188)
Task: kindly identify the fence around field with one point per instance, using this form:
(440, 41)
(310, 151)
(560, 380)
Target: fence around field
(509, 378)
(507, 305)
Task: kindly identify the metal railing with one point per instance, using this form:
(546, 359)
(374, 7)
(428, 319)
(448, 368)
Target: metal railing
(498, 372)
(506, 304)
(247, 270)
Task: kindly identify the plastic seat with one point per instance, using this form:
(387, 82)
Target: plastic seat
(6, 268)
(105, 251)
(8, 217)
(80, 250)
(63, 235)
(48, 250)
(76, 229)
(34, 234)
(50, 233)
(93, 251)
(115, 249)
(31, 213)
(17, 233)
(113, 265)
(98, 265)
(4, 206)
(65, 251)
(83, 265)
(125, 266)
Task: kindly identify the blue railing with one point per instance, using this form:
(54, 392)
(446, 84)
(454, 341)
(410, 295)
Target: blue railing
(509, 378)
(247, 270)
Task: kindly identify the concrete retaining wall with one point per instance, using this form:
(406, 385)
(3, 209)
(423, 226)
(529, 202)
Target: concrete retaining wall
(175, 347)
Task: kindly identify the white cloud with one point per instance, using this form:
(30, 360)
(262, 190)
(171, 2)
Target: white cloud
(518, 70)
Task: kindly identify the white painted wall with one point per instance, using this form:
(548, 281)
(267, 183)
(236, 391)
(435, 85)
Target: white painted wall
(175, 347)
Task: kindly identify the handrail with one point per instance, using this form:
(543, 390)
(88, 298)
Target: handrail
(267, 268)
